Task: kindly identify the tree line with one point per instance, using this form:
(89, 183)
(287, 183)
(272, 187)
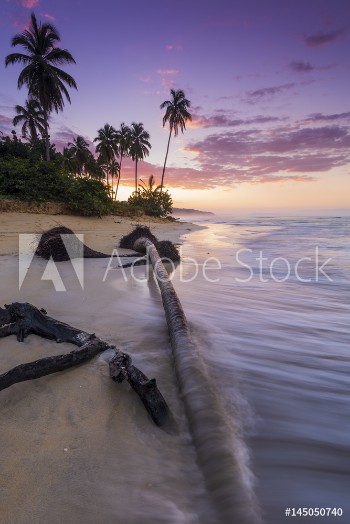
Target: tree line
(48, 86)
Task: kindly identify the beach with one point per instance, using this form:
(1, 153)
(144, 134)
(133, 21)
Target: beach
(101, 234)
(77, 447)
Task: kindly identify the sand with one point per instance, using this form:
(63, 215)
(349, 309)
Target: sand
(74, 446)
(101, 234)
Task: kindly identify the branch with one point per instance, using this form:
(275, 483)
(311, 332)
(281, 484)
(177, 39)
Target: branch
(22, 319)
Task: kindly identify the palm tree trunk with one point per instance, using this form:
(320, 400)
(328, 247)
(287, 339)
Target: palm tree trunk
(33, 133)
(120, 167)
(166, 157)
(46, 138)
(136, 174)
(219, 450)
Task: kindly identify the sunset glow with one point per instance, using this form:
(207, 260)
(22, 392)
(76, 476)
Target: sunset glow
(268, 82)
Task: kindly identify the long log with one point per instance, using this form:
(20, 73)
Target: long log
(22, 319)
(219, 453)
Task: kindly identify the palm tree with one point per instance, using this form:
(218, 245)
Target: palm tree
(45, 81)
(107, 146)
(69, 161)
(176, 114)
(123, 139)
(104, 168)
(114, 169)
(79, 149)
(139, 145)
(31, 116)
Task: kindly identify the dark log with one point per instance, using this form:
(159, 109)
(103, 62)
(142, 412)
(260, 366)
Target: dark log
(120, 368)
(54, 242)
(22, 319)
(218, 458)
(166, 250)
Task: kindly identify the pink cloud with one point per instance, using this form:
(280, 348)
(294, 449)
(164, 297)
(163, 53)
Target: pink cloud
(167, 78)
(167, 72)
(224, 120)
(146, 79)
(20, 23)
(275, 154)
(292, 152)
(49, 17)
(268, 92)
(172, 47)
(29, 3)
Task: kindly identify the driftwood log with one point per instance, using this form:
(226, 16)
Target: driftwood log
(22, 319)
(61, 244)
(218, 454)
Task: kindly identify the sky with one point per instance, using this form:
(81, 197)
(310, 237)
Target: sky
(268, 82)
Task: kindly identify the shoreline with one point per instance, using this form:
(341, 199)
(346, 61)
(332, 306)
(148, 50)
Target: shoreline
(102, 234)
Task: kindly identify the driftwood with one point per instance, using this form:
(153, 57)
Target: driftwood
(218, 457)
(22, 319)
(166, 250)
(61, 244)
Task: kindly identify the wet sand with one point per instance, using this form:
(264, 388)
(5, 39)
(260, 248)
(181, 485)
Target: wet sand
(76, 447)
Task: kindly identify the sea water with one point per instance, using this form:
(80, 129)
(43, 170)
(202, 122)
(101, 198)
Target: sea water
(273, 312)
(267, 300)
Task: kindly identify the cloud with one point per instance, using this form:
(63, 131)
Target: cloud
(323, 38)
(199, 121)
(222, 120)
(315, 118)
(167, 78)
(20, 22)
(301, 67)
(173, 47)
(274, 154)
(29, 3)
(6, 125)
(268, 92)
(60, 136)
(146, 79)
(255, 156)
(49, 17)
(167, 72)
(306, 67)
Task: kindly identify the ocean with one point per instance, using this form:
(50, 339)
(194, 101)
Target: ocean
(267, 300)
(275, 328)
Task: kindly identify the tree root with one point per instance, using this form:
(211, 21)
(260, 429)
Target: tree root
(22, 319)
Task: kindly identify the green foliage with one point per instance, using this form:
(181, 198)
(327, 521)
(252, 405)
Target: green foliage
(13, 147)
(89, 197)
(32, 180)
(152, 200)
(41, 181)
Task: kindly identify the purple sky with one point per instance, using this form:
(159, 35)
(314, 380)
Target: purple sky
(268, 80)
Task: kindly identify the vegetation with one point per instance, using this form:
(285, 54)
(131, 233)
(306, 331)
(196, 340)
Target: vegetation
(107, 147)
(76, 175)
(25, 176)
(46, 82)
(152, 200)
(123, 137)
(31, 116)
(139, 145)
(176, 114)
